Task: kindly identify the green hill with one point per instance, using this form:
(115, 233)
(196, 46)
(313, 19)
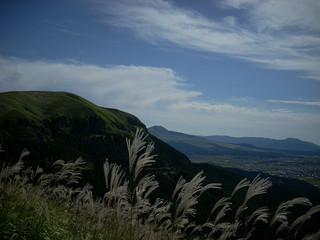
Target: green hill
(60, 125)
(50, 114)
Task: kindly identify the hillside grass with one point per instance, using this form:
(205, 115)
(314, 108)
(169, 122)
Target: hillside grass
(34, 107)
(39, 205)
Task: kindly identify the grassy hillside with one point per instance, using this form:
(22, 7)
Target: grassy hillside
(38, 204)
(48, 114)
(59, 125)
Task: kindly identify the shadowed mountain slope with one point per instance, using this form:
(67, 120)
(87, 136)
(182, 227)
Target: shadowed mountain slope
(60, 125)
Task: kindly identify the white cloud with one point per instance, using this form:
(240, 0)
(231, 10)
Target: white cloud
(158, 96)
(309, 103)
(113, 86)
(278, 34)
(238, 3)
(282, 15)
(207, 107)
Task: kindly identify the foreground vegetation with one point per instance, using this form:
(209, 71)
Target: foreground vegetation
(38, 205)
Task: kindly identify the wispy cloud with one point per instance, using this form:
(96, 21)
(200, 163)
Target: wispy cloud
(114, 86)
(277, 34)
(280, 15)
(309, 103)
(158, 96)
(65, 30)
(208, 107)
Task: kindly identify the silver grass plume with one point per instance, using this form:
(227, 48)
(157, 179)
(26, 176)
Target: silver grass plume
(281, 212)
(283, 225)
(10, 171)
(257, 187)
(146, 186)
(137, 162)
(229, 230)
(220, 203)
(139, 190)
(14, 170)
(222, 212)
(131, 198)
(160, 215)
(214, 226)
(25, 152)
(144, 160)
(137, 145)
(134, 148)
(179, 185)
(117, 187)
(84, 197)
(300, 220)
(242, 184)
(187, 198)
(70, 172)
(45, 180)
(113, 175)
(260, 214)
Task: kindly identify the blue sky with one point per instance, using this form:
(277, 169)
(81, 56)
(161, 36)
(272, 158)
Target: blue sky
(233, 67)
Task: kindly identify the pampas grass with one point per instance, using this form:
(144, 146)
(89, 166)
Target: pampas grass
(39, 205)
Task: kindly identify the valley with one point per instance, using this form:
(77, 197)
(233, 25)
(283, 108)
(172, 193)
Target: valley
(304, 165)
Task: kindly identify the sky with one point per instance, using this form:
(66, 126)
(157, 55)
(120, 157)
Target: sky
(210, 67)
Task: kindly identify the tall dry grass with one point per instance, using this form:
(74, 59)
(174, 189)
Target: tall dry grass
(38, 205)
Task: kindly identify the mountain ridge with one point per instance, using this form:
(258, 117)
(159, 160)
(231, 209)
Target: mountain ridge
(262, 143)
(193, 144)
(287, 144)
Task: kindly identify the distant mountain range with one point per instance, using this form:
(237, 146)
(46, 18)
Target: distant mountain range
(226, 144)
(290, 158)
(288, 144)
(196, 145)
